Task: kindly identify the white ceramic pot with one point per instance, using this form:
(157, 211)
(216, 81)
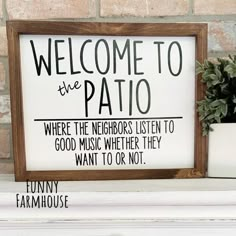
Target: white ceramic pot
(222, 151)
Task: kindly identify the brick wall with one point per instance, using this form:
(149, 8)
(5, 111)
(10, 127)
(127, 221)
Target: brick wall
(221, 16)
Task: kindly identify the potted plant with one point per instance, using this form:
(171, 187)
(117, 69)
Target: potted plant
(217, 112)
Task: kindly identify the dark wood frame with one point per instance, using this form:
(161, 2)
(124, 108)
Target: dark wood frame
(15, 28)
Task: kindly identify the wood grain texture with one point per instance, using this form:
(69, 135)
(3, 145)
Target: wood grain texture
(16, 103)
(200, 141)
(15, 28)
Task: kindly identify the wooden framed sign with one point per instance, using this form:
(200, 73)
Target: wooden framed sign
(94, 101)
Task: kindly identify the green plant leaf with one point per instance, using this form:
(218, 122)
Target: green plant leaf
(224, 109)
(200, 102)
(231, 69)
(211, 116)
(217, 72)
(206, 74)
(213, 77)
(220, 93)
(206, 63)
(215, 82)
(199, 68)
(201, 118)
(209, 84)
(225, 88)
(230, 57)
(216, 103)
(217, 113)
(205, 132)
(218, 120)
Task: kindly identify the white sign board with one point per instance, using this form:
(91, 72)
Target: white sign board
(108, 102)
(121, 110)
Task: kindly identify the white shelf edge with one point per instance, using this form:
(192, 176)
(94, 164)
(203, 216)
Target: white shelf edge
(162, 200)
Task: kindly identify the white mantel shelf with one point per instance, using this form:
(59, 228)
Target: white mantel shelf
(136, 204)
(136, 199)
